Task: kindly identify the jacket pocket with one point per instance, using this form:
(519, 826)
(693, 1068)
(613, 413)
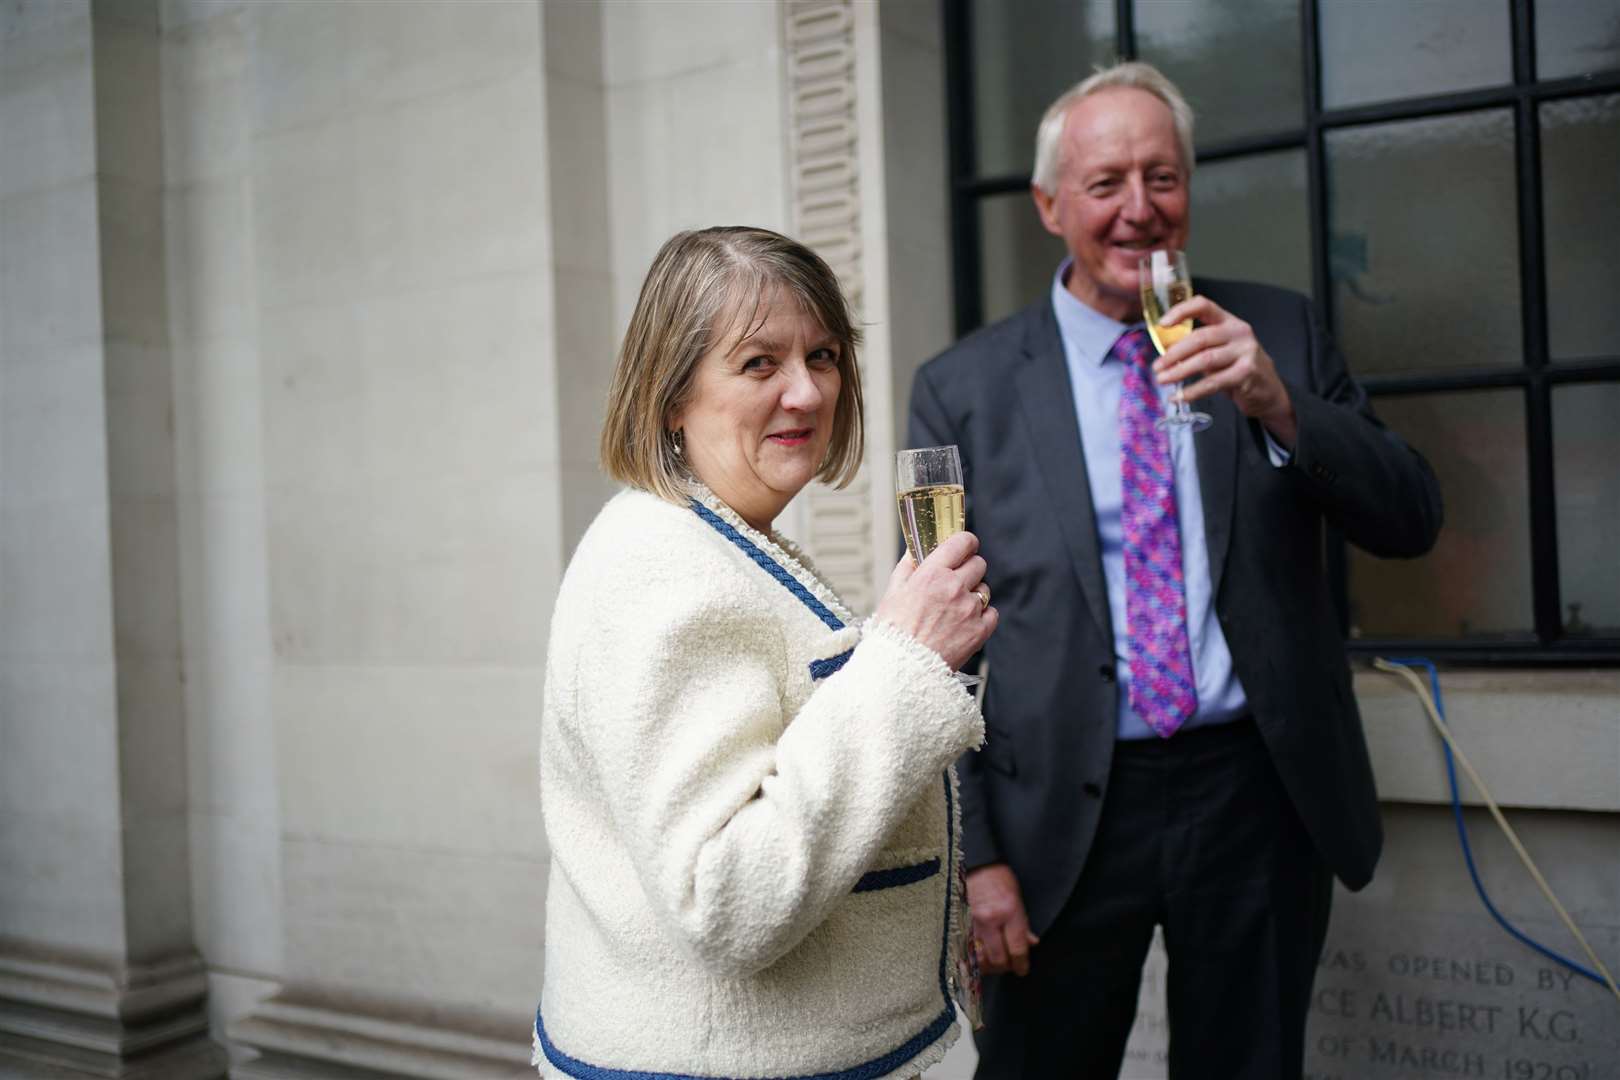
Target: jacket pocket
(895, 876)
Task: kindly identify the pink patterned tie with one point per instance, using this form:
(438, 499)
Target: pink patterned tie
(1163, 693)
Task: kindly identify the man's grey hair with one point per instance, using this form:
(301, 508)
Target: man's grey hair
(1132, 73)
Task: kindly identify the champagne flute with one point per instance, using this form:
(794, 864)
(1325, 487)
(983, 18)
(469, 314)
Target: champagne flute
(933, 504)
(1165, 283)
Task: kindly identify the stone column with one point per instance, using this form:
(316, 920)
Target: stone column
(835, 176)
(868, 181)
(98, 974)
(219, 450)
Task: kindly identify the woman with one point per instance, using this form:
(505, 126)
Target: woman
(747, 793)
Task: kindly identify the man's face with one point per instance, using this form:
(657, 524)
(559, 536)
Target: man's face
(1121, 192)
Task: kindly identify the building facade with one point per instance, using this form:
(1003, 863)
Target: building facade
(307, 312)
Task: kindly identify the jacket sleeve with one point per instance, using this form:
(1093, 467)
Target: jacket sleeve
(1373, 487)
(746, 825)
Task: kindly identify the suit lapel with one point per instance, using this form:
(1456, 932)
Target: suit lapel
(1048, 403)
(1216, 448)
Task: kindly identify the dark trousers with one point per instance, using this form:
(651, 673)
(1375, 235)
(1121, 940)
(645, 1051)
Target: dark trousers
(1198, 836)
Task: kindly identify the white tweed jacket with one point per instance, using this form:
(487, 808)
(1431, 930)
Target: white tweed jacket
(750, 810)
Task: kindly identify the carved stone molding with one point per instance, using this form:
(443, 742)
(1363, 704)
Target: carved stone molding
(68, 1017)
(824, 171)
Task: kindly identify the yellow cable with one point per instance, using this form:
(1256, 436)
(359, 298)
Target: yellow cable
(1445, 733)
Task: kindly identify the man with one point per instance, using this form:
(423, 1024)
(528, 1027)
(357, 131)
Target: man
(1180, 750)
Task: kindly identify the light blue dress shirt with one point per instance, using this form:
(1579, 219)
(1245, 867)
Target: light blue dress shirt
(1097, 381)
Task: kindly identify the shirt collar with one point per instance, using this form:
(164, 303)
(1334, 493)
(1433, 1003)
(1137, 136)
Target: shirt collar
(1088, 334)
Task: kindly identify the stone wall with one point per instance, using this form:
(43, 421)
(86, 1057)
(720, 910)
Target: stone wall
(306, 316)
(97, 957)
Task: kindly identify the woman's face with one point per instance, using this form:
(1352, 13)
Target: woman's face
(761, 416)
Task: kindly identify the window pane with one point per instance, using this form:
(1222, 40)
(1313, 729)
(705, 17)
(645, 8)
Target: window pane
(1424, 243)
(1580, 157)
(1026, 53)
(1586, 444)
(1475, 584)
(1251, 220)
(1377, 50)
(1018, 255)
(1576, 37)
(1195, 44)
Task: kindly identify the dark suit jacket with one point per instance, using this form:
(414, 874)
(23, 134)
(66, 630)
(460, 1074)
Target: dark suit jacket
(1032, 797)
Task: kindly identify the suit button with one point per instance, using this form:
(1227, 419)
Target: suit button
(1107, 672)
(1091, 789)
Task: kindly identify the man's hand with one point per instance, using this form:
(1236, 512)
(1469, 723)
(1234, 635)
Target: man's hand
(1226, 356)
(999, 921)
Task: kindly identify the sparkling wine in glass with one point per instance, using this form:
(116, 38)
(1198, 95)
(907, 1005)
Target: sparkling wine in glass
(1165, 283)
(932, 500)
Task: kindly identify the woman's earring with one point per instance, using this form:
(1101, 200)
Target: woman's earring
(678, 442)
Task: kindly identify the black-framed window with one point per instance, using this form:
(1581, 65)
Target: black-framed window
(1444, 180)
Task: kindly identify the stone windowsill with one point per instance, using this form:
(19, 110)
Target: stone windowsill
(1540, 739)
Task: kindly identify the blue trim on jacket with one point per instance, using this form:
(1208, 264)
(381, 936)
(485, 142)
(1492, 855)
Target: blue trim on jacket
(820, 669)
(769, 565)
(895, 876)
(871, 1070)
(950, 895)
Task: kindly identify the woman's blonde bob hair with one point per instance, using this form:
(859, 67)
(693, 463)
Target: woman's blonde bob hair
(703, 287)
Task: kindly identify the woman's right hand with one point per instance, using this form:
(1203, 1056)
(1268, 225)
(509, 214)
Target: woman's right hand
(939, 603)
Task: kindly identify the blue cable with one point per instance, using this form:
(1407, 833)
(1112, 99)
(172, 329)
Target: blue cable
(1462, 831)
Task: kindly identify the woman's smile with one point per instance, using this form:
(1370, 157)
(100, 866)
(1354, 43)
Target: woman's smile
(796, 437)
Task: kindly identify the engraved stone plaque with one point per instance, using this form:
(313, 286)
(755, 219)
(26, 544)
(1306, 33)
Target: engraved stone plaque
(1425, 995)
(1403, 995)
